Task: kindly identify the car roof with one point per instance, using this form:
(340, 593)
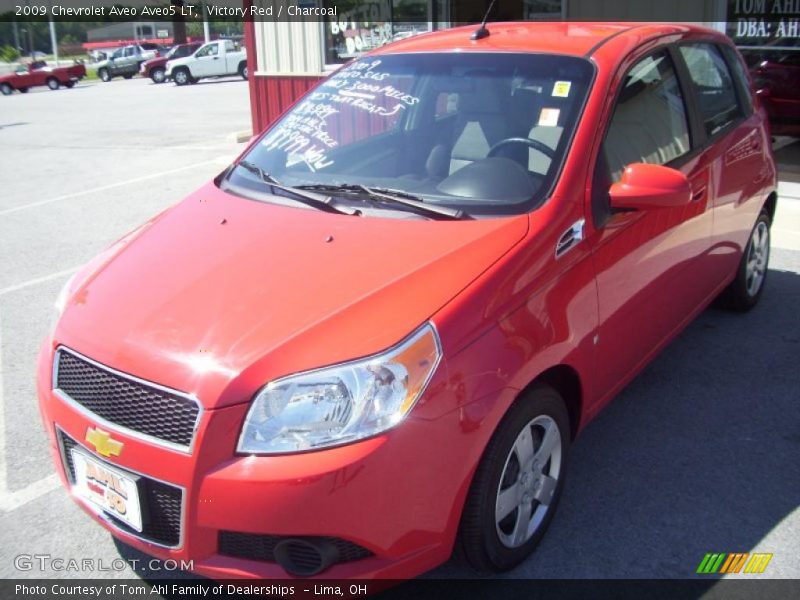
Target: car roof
(572, 38)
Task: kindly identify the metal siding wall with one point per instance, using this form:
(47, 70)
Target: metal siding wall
(274, 94)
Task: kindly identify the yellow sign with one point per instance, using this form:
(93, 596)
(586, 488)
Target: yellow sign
(103, 442)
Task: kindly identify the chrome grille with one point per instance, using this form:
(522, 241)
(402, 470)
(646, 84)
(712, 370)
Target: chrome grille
(141, 407)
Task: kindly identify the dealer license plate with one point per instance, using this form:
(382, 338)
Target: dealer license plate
(107, 489)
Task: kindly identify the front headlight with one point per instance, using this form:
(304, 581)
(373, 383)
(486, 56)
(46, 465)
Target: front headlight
(343, 403)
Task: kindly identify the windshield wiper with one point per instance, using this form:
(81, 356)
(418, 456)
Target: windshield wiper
(391, 196)
(319, 201)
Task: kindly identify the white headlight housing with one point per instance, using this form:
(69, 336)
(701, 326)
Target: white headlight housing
(342, 403)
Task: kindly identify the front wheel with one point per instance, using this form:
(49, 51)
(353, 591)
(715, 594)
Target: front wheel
(745, 291)
(104, 75)
(157, 75)
(6, 89)
(182, 77)
(518, 483)
(53, 84)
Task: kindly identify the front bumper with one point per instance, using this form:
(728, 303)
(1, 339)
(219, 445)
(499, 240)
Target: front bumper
(398, 495)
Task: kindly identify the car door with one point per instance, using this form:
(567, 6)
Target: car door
(208, 62)
(737, 144)
(648, 262)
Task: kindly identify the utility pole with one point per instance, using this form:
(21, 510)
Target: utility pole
(30, 32)
(206, 32)
(16, 35)
(53, 39)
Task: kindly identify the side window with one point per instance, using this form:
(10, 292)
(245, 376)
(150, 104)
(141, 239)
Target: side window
(649, 123)
(129, 51)
(229, 46)
(210, 50)
(716, 93)
(741, 78)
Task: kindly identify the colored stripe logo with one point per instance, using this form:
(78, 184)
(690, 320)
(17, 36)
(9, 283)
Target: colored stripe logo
(733, 562)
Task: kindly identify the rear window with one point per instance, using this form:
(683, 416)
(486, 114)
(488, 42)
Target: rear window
(716, 91)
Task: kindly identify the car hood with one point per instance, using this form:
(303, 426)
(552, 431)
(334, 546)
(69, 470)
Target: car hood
(220, 294)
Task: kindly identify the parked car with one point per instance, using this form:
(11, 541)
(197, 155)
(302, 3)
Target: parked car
(775, 75)
(125, 61)
(39, 73)
(156, 68)
(377, 334)
(215, 59)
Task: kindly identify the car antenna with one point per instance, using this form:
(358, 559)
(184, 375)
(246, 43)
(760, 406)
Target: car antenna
(482, 32)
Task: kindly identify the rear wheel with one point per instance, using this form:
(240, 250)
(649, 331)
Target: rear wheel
(157, 75)
(243, 70)
(518, 483)
(127, 76)
(6, 89)
(70, 84)
(182, 77)
(745, 291)
(23, 90)
(53, 83)
(104, 75)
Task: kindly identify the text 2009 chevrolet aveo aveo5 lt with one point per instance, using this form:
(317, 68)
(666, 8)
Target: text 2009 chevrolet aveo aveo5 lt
(375, 336)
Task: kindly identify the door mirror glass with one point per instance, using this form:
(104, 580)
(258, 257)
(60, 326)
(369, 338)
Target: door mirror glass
(644, 186)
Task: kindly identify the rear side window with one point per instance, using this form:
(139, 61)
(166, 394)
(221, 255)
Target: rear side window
(716, 92)
(649, 123)
(742, 80)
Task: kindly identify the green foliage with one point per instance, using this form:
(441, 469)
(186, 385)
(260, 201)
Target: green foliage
(8, 54)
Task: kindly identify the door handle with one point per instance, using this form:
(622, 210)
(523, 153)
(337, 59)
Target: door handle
(699, 194)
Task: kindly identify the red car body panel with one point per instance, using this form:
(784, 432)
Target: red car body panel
(38, 77)
(219, 295)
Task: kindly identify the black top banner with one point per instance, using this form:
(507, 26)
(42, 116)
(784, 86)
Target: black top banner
(765, 18)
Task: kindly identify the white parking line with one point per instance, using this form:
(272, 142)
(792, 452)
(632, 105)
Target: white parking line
(12, 500)
(111, 186)
(37, 280)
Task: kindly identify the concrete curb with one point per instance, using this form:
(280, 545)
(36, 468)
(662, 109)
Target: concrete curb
(240, 137)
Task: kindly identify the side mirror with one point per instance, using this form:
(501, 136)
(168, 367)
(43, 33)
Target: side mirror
(644, 186)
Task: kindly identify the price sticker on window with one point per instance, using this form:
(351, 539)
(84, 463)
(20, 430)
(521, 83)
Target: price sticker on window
(561, 89)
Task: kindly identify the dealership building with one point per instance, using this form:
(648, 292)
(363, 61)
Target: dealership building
(287, 58)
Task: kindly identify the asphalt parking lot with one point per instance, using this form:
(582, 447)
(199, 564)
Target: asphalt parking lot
(700, 453)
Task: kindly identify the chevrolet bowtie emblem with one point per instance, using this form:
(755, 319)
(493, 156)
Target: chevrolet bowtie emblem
(102, 442)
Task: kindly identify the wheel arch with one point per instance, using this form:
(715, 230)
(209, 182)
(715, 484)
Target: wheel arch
(770, 204)
(566, 380)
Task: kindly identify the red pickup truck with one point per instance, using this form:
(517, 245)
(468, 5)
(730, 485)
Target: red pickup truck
(39, 73)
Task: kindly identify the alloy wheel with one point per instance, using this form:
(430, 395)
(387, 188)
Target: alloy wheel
(528, 482)
(757, 258)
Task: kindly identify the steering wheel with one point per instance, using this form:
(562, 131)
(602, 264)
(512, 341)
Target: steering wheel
(535, 144)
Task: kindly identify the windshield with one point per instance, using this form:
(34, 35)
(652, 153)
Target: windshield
(485, 133)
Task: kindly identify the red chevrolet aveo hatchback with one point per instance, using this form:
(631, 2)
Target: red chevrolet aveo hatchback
(374, 337)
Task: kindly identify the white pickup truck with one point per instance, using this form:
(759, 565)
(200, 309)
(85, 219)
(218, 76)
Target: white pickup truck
(215, 59)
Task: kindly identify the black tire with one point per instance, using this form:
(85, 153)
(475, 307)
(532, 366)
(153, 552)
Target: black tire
(243, 72)
(158, 75)
(69, 84)
(53, 83)
(23, 90)
(480, 531)
(129, 76)
(744, 291)
(6, 89)
(104, 75)
(182, 76)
